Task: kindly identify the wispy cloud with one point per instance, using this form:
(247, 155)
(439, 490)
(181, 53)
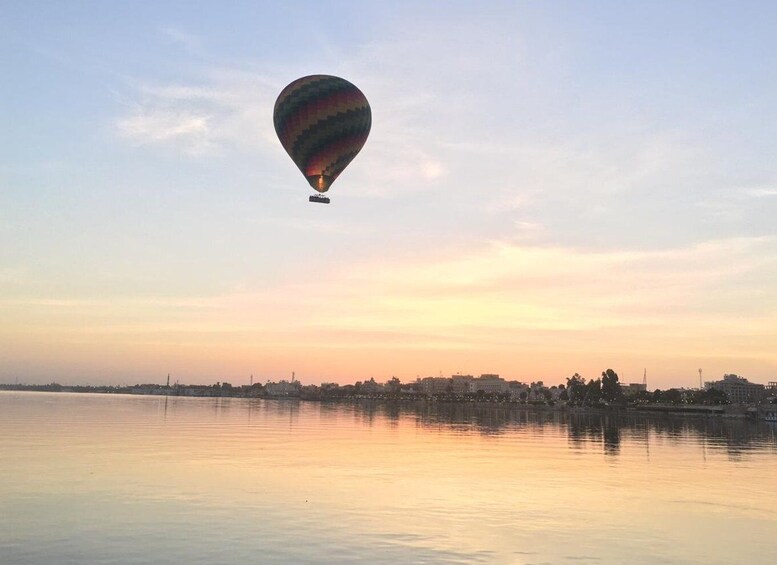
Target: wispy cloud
(761, 192)
(227, 110)
(732, 205)
(521, 307)
(504, 286)
(516, 306)
(180, 37)
(192, 131)
(508, 285)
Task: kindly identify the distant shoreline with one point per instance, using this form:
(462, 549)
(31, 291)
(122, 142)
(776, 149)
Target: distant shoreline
(726, 411)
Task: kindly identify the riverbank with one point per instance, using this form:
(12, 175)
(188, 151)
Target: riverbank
(728, 411)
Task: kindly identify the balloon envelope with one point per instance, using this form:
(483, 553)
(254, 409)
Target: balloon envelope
(322, 122)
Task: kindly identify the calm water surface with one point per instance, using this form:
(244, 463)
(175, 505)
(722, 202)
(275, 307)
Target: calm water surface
(131, 479)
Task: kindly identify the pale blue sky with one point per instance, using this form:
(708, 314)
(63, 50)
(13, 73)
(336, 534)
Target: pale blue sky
(142, 189)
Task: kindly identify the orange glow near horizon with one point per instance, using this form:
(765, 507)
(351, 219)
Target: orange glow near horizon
(527, 313)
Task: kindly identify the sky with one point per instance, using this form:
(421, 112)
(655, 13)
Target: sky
(548, 188)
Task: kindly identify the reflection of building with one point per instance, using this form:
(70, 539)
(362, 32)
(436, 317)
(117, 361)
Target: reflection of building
(633, 388)
(738, 389)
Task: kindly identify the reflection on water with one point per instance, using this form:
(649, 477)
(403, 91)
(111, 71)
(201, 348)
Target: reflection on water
(129, 479)
(736, 436)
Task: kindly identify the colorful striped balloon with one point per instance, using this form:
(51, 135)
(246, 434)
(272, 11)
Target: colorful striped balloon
(322, 122)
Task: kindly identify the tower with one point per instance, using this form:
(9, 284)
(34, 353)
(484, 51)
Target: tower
(700, 385)
(644, 379)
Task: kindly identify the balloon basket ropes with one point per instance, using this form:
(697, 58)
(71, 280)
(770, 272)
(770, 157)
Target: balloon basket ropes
(319, 199)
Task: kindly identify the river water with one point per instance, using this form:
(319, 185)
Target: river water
(133, 479)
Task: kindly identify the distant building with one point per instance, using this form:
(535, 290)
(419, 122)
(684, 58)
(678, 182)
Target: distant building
(146, 389)
(489, 384)
(372, 387)
(537, 391)
(435, 385)
(738, 389)
(283, 388)
(555, 393)
(460, 383)
(631, 389)
(515, 388)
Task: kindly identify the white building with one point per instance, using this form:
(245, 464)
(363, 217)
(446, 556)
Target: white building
(283, 388)
(489, 384)
(435, 385)
(460, 383)
(738, 389)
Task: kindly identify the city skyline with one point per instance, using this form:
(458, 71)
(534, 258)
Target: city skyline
(242, 380)
(548, 189)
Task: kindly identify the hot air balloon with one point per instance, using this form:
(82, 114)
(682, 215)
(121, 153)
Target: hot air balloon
(322, 122)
